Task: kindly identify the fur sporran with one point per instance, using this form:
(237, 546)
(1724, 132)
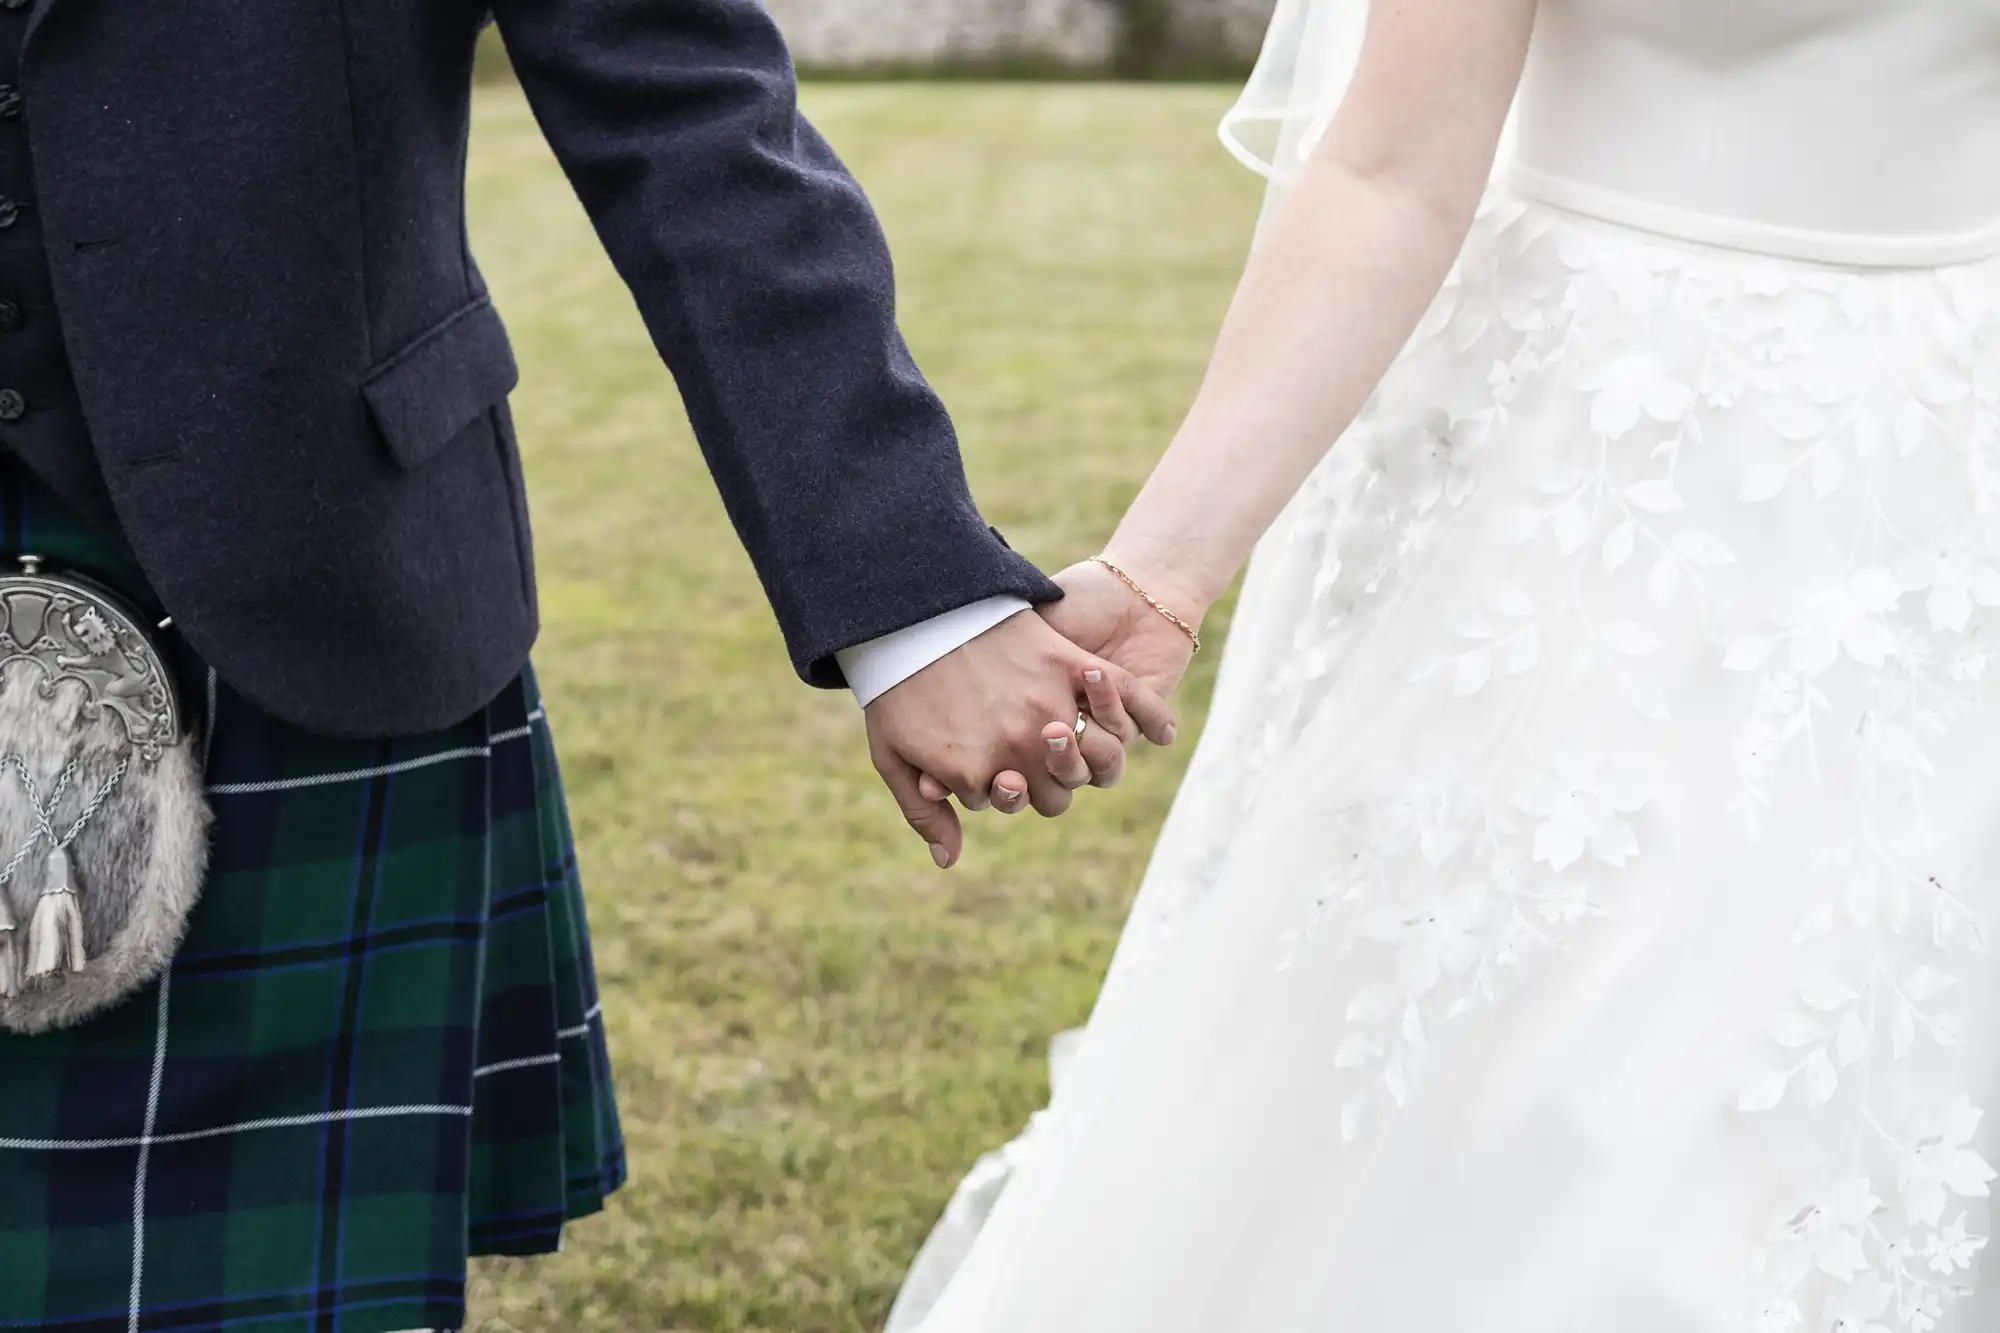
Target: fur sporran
(103, 821)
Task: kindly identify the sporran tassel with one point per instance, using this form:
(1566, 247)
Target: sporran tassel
(10, 951)
(55, 936)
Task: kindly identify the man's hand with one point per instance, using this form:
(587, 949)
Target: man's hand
(972, 724)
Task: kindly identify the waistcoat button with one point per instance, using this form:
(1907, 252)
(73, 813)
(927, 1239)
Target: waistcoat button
(15, 4)
(10, 101)
(12, 405)
(10, 314)
(10, 212)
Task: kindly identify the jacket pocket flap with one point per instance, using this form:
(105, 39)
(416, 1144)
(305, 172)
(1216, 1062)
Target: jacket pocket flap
(437, 385)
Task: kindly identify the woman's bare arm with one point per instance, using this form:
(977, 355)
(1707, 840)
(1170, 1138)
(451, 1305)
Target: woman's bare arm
(1346, 267)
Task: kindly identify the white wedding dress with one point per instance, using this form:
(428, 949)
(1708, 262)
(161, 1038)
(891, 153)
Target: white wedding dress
(1577, 916)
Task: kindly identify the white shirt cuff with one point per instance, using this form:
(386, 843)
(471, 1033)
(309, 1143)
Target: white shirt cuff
(880, 665)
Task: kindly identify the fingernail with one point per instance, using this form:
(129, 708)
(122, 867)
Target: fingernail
(1169, 733)
(1093, 676)
(941, 856)
(1057, 744)
(1006, 795)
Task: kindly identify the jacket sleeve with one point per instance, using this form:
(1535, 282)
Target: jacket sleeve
(763, 276)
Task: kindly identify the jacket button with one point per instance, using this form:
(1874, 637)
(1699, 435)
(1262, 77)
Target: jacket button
(12, 405)
(10, 314)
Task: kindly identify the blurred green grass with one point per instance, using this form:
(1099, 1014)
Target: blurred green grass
(814, 1031)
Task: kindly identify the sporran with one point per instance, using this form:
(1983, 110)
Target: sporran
(103, 820)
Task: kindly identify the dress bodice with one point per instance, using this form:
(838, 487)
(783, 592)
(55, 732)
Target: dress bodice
(1847, 131)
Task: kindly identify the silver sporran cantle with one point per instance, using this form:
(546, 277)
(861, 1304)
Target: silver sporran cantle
(103, 820)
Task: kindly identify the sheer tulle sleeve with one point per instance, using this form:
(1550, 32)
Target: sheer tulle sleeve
(1307, 62)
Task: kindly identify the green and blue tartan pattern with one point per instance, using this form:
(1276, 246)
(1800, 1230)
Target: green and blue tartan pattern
(378, 1052)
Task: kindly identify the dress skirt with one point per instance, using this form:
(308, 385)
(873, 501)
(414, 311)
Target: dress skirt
(379, 1051)
(1578, 914)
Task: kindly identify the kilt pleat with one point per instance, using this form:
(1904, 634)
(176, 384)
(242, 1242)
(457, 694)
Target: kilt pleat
(380, 1050)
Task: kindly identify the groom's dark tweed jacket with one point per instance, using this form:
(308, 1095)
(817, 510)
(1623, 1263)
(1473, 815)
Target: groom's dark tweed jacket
(295, 386)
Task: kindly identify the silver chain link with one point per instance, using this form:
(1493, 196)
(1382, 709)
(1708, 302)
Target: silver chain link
(43, 812)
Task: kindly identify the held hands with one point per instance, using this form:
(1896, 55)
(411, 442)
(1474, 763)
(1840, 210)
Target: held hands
(1100, 613)
(992, 723)
(1005, 705)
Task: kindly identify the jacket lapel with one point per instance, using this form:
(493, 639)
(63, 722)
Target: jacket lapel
(36, 15)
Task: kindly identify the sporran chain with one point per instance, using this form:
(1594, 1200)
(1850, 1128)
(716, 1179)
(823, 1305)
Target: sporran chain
(44, 814)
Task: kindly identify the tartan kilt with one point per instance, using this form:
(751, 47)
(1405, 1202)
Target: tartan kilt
(378, 1052)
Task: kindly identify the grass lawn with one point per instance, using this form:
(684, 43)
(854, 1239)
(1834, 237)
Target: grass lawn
(815, 1031)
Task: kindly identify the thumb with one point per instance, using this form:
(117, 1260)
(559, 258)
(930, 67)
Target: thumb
(1153, 714)
(935, 821)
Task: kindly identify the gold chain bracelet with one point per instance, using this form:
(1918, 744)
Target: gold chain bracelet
(1194, 635)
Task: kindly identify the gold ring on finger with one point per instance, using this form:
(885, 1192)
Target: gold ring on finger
(1082, 722)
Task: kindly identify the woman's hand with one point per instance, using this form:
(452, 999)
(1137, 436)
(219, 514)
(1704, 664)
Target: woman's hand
(1100, 615)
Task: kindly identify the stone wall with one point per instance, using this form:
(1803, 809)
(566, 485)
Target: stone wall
(857, 34)
(1090, 36)
(1083, 34)
(1223, 30)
